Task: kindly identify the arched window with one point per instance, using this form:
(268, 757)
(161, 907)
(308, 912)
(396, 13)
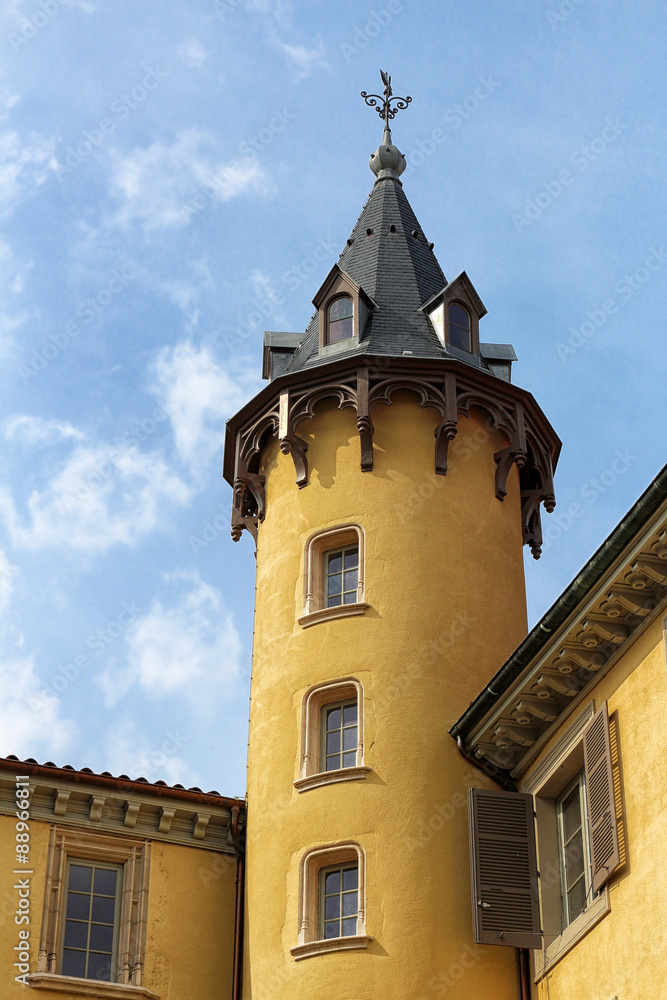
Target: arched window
(459, 327)
(334, 574)
(332, 734)
(340, 319)
(332, 904)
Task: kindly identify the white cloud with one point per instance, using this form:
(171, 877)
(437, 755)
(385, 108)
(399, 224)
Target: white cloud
(193, 53)
(33, 430)
(162, 186)
(7, 574)
(129, 751)
(100, 497)
(187, 291)
(187, 646)
(30, 719)
(23, 167)
(12, 279)
(303, 58)
(199, 395)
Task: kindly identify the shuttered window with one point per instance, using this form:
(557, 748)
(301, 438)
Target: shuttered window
(605, 854)
(503, 861)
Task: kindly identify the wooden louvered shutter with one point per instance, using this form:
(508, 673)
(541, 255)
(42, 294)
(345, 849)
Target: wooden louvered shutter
(605, 854)
(503, 865)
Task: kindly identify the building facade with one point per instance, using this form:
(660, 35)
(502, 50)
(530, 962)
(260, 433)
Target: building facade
(439, 802)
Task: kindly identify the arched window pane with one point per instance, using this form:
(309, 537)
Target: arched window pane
(459, 327)
(340, 319)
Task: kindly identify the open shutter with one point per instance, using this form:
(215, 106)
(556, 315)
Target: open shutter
(503, 866)
(605, 854)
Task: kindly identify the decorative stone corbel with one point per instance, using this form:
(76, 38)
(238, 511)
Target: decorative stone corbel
(516, 453)
(364, 422)
(96, 804)
(166, 819)
(448, 426)
(291, 443)
(60, 802)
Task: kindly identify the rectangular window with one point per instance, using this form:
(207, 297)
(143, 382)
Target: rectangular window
(90, 932)
(341, 574)
(339, 901)
(574, 849)
(339, 735)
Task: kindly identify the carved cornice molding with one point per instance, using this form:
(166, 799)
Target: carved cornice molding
(129, 814)
(630, 599)
(449, 386)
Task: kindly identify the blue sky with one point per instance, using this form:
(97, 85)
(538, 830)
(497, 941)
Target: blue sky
(174, 179)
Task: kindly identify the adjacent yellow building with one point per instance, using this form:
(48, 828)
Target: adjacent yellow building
(390, 474)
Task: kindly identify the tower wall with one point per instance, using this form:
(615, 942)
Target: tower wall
(444, 581)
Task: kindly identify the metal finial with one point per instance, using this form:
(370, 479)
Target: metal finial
(383, 106)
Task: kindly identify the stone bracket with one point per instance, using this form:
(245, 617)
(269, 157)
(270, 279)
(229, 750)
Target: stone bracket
(364, 422)
(448, 426)
(290, 442)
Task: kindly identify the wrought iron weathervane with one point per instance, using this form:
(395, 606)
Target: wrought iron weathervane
(383, 106)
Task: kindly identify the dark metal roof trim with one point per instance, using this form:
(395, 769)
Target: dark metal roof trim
(566, 605)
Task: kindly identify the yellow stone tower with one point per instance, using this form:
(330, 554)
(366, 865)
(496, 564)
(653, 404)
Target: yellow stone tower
(390, 473)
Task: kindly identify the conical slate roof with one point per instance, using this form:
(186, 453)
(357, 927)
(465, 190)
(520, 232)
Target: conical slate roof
(388, 255)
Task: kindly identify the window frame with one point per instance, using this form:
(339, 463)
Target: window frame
(324, 732)
(315, 701)
(327, 555)
(132, 858)
(342, 294)
(322, 897)
(579, 782)
(449, 323)
(317, 546)
(547, 782)
(106, 866)
(313, 862)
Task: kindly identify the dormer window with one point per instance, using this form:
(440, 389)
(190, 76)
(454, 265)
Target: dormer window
(459, 327)
(340, 319)
(343, 308)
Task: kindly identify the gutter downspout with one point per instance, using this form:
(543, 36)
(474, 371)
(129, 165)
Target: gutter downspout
(239, 848)
(504, 779)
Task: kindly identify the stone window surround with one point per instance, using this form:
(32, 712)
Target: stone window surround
(545, 783)
(310, 773)
(134, 857)
(313, 584)
(311, 865)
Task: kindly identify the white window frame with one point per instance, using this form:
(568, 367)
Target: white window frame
(578, 782)
(313, 862)
(311, 765)
(317, 546)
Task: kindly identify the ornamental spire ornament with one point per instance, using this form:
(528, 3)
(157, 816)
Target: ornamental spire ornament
(387, 160)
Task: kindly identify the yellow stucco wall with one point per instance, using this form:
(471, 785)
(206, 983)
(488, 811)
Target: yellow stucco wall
(625, 955)
(190, 936)
(444, 578)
